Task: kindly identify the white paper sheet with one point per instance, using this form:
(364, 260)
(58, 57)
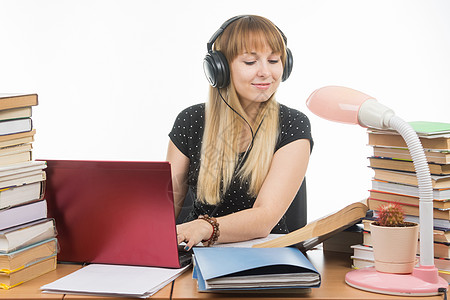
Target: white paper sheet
(250, 243)
(114, 280)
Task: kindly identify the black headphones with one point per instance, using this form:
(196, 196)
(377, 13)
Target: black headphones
(215, 64)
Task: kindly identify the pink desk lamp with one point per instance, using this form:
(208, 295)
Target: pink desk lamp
(346, 105)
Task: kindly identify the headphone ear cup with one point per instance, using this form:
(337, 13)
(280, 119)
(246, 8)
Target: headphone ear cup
(288, 65)
(216, 69)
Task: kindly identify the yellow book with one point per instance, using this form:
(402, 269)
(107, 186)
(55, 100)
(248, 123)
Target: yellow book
(27, 256)
(13, 279)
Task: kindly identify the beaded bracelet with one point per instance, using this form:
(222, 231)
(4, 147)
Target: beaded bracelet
(215, 233)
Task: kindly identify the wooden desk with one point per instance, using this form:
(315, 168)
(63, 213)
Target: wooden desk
(31, 289)
(332, 266)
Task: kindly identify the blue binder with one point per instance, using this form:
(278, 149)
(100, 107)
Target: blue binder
(255, 264)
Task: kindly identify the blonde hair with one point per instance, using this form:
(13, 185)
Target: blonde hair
(222, 135)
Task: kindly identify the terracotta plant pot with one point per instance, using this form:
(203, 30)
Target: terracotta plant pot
(394, 248)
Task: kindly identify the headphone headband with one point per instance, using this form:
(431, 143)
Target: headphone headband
(220, 30)
(225, 25)
(216, 67)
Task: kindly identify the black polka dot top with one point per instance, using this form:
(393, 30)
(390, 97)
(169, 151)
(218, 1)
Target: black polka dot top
(187, 134)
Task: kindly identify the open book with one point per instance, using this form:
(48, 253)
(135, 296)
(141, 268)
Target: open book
(319, 230)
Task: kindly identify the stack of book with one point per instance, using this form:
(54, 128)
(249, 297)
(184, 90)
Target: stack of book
(394, 174)
(395, 181)
(28, 245)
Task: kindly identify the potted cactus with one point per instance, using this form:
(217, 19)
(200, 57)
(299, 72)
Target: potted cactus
(394, 240)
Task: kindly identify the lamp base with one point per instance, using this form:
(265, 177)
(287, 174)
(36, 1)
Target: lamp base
(423, 281)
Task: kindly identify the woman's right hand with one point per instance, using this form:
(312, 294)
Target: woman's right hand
(193, 232)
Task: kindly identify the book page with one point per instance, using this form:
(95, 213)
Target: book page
(250, 243)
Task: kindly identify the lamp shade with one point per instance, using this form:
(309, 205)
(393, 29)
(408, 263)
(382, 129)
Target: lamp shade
(336, 103)
(346, 105)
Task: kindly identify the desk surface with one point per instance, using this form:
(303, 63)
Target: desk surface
(332, 267)
(31, 289)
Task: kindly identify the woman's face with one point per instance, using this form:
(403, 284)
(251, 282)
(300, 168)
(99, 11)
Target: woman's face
(256, 75)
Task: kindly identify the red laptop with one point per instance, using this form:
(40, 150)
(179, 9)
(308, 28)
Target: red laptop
(114, 212)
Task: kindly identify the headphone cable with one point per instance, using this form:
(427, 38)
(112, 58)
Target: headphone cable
(250, 146)
(225, 101)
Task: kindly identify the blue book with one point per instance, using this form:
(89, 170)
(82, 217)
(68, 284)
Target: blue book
(228, 269)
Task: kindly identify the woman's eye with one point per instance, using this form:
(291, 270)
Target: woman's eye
(249, 63)
(273, 61)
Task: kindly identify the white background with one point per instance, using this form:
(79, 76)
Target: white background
(112, 75)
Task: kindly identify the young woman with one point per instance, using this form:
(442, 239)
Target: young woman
(243, 155)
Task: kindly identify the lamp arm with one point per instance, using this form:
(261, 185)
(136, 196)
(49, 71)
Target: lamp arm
(425, 188)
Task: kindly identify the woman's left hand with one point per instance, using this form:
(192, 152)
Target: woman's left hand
(193, 232)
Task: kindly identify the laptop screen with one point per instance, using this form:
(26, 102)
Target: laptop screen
(113, 212)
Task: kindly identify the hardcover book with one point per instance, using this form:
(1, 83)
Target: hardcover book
(319, 230)
(409, 209)
(13, 279)
(437, 182)
(432, 155)
(409, 190)
(23, 214)
(8, 101)
(15, 126)
(391, 197)
(20, 236)
(17, 138)
(27, 256)
(406, 165)
(18, 195)
(16, 113)
(395, 140)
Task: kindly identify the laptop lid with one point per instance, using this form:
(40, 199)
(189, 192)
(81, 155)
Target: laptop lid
(113, 212)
